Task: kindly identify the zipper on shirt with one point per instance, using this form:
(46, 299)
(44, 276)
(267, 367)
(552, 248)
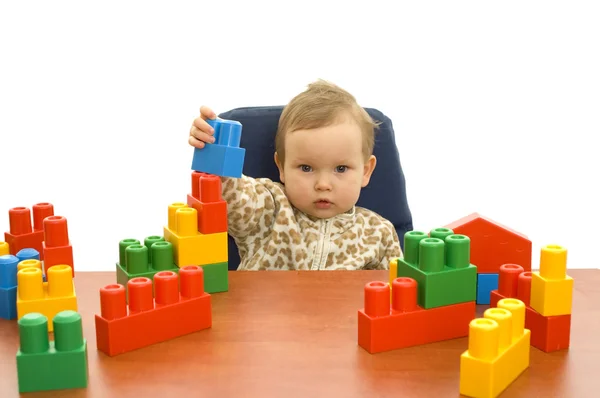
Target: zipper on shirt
(322, 250)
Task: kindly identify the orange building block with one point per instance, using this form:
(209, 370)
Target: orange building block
(57, 247)
(493, 244)
(181, 306)
(548, 333)
(207, 200)
(405, 324)
(22, 234)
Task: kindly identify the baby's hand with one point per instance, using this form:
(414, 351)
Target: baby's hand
(201, 131)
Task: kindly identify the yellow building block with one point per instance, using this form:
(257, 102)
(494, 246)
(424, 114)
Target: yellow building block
(48, 298)
(393, 274)
(498, 352)
(4, 248)
(551, 287)
(29, 263)
(190, 247)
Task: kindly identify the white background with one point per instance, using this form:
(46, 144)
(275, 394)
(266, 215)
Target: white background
(495, 105)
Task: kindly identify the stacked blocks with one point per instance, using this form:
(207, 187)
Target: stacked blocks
(22, 234)
(137, 260)
(57, 246)
(192, 247)
(224, 158)
(551, 287)
(48, 298)
(441, 266)
(498, 350)
(209, 204)
(548, 333)
(405, 324)
(52, 365)
(492, 245)
(8, 286)
(181, 306)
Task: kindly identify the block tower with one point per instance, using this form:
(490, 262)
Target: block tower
(430, 296)
(547, 295)
(44, 365)
(498, 350)
(492, 245)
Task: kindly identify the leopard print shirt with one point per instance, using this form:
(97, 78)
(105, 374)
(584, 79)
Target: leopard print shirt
(271, 234)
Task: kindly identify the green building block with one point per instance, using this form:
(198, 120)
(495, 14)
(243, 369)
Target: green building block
(137, 260)
(44, 365)
(216, 277)
(440, 264)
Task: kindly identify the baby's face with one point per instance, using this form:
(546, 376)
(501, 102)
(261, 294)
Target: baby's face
(325, 169)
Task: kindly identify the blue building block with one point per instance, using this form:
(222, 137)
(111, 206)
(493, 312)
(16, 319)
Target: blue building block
(224, 158)
(485, 284)
(8, 286)
(28, 254)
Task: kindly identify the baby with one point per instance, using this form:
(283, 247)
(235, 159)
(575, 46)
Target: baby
(309, 221)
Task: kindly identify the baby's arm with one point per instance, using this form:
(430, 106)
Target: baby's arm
(248, 203)
(389, 248)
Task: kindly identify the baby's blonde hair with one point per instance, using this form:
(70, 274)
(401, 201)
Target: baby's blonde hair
(323, 104)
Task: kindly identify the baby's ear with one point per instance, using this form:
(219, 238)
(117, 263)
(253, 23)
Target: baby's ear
(280, 167)
(368, 170)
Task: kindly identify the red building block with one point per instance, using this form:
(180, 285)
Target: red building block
(493, 244)
(180, 307)
(207, 200)
(21, 234)
(548, 334)
(57, 247)
(405, 324)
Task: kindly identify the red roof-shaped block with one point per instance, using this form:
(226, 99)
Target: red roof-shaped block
(493, 244)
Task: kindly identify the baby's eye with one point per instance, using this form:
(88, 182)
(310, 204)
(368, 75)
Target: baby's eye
(341, 169)
(305, 168)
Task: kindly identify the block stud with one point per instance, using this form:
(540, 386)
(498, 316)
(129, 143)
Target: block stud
(140, 294)
(404, 294)
(113, 304)
(377, 299)
(166, 287)
(19, 219)
(553, 262)
(33, 332)
(431, 255)
(517, 310)
(508, 279)
(148, 242)
(187, 221)
(4, 249)
(210, 188)
(524, 287)
(503, 318)
(172, 220)
(60, 281)
(28, 254)
(192, 281)
(56, 232)
(162, 255)
(68, 332)
(29, 263)
(122, 247)
(412, 241)
(458, 251)
(40, 212)
(136, 259)
(483, 339)
(30, 282)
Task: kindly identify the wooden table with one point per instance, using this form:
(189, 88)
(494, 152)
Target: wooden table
(294, 334)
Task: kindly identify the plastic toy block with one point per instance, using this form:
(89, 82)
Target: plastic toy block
(8, 286)
(548, 334)
(28, 254)
(216, 277)
(44, 365)
(383, 326)
(48, 298)
(181, 306)
(190, 246)
(207, 200)
(498, 350)
(441, 267)
(551, 287)
(4, 248)
(224, 158)
(493, 244)
(22, 234)
(57, 247)
(485, 284)
(137, 260)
